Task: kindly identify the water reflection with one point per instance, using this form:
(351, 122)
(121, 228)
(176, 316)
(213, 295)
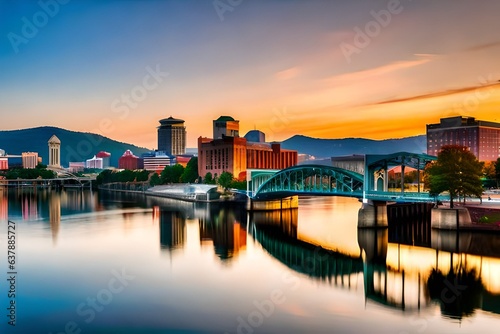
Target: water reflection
(54, 215)
(276, 231)
(406, 267)
(225, 227)
(172, 230)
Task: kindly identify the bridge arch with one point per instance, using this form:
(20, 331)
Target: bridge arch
(313, 180)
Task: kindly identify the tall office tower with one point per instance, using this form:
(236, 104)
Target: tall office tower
(172, 136)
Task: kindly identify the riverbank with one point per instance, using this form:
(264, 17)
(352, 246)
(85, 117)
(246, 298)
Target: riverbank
(184, 192)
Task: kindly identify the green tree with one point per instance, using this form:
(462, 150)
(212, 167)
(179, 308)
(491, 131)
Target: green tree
(177, 171)
(497, 171)
(208, 179)
(457, 171)
(190, 174)
(225, 179)
(172, 174)
(154, 180)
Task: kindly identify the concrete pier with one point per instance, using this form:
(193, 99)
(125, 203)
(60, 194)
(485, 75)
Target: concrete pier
(373, 214)
(449, 219)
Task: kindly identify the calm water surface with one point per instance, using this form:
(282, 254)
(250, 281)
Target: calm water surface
(93, 263)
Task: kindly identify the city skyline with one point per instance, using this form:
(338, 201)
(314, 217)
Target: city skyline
(325, 69)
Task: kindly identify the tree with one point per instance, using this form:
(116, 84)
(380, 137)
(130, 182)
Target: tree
(225, 179)
(190, 174)
(172, 174)
(497, 171)
(457, 171)
(208, 179)
(154, 180)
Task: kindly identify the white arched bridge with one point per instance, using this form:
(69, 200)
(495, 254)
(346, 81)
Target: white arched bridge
(361, 176)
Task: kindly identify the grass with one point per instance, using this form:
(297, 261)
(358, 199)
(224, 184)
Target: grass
(490, 218)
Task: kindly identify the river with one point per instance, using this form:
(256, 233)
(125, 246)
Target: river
(87, 262)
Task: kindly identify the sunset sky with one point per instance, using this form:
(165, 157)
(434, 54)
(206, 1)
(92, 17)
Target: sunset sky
(327, 69)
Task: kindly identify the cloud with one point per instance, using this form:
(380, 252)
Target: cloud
(381, 70)
(439, 94)
(484, 46)
(287, 74)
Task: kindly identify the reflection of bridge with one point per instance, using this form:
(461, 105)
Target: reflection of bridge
(363, 177)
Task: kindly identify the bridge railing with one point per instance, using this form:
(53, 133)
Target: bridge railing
(404, 196)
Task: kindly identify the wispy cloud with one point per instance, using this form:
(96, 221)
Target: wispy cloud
(439, 94)
(287, 74)
(354, 77)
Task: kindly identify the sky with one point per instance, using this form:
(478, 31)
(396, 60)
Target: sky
(325, 69)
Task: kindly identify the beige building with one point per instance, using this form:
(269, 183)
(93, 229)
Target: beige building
(54, 152)
(30, 159)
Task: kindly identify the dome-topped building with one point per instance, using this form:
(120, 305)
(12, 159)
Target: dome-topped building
(172, 136)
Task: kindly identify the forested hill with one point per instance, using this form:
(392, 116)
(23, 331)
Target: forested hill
(325, 148)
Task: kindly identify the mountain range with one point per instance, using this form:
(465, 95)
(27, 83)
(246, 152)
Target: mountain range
(80, 146)
(326, 148)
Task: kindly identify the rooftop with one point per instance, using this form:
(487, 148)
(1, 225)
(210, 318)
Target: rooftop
(171, 120)
(225, 119)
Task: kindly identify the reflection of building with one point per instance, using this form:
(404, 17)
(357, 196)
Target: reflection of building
(95, 162)
(228, 152)
(30, 159)
(29, 206)
(226, 232)
(128, 161)
(55, 214)
(482, 137)
(172, 136)
(54, 151)
(172, 229)
(105, 156)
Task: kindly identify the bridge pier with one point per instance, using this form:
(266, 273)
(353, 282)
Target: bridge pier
(449, 219)
(373, 214)
(291, 202)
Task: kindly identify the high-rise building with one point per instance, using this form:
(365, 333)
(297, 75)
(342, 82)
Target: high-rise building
(172, 136)
(482, 137)
(226, 126)
(235, 155)
(54, 152)
(30, 159)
